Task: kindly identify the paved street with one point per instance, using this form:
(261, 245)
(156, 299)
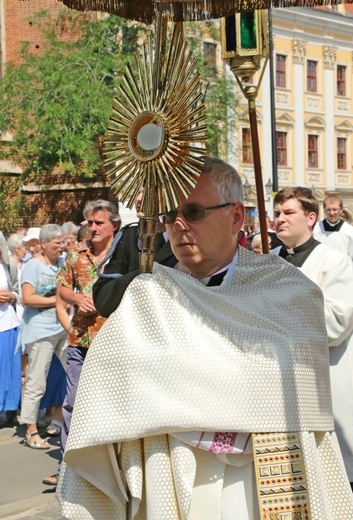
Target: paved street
(22, 494)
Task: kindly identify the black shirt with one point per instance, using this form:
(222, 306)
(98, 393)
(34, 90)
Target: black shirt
(108, 292)
(298, 255)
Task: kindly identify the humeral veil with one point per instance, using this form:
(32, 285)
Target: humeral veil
(248, 356)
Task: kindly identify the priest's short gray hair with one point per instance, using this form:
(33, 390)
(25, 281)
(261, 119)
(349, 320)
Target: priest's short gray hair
(225, 179)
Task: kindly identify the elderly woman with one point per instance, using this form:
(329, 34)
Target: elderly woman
(31, 241)
(18, 253)
(69, 230)
(41, 331)
(17, 249)
(10, 358)
(256, 243)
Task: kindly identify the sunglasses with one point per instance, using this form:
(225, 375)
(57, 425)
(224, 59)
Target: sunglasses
(191, 213)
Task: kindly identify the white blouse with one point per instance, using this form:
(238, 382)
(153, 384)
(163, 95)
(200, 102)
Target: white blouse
(8, 318)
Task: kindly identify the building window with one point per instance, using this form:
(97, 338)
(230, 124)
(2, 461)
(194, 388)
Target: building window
(313, 158)
(209, 51)
(280, 71)
(341, 153)
(311, 76)
(281, 144)
(341, 80)
(246, 145)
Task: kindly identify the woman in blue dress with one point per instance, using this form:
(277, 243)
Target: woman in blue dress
(10, 357)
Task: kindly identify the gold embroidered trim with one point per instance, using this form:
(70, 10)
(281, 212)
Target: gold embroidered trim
(280, 476)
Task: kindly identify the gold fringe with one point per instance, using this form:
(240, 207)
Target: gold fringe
(177, 11)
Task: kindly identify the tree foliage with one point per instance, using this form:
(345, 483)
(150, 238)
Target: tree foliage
(219, 88)
(11, 204)
(57, 104)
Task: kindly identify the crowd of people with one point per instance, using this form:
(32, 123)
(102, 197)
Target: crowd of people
(33, 353)
(337, 218)
(190, 367)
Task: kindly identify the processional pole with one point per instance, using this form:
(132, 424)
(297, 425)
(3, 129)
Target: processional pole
(244, 44)
(250, 94)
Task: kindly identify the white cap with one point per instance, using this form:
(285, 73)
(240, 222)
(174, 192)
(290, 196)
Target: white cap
(32, 234)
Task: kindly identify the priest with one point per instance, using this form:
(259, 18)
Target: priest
(295, 213)
(206, 393)
(333, 230)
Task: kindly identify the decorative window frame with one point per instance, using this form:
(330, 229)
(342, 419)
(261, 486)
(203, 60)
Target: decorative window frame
(346, 81)
(286, 70)
(251, 162)
(246, 169)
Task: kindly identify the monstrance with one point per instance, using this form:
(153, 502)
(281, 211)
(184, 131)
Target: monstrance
(156, 135)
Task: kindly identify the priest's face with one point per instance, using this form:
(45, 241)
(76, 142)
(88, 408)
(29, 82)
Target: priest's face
(293, 225)
(204, 245)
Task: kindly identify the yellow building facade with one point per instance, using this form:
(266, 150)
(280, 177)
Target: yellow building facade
(312, 105)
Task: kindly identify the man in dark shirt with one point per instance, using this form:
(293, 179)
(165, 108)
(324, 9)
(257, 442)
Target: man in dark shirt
(108, 291)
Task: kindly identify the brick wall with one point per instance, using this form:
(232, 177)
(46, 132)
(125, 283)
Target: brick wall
(59, 206)
(59, 198)
(18, 27)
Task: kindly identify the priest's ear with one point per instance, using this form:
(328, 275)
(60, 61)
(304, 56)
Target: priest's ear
(238, 212)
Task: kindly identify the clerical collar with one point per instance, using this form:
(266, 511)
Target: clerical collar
(299, 249)
(223, 274)
(217, 275)
(298, 255)
(332, 227)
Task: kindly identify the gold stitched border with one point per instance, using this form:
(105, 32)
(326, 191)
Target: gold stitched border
(280, 477)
